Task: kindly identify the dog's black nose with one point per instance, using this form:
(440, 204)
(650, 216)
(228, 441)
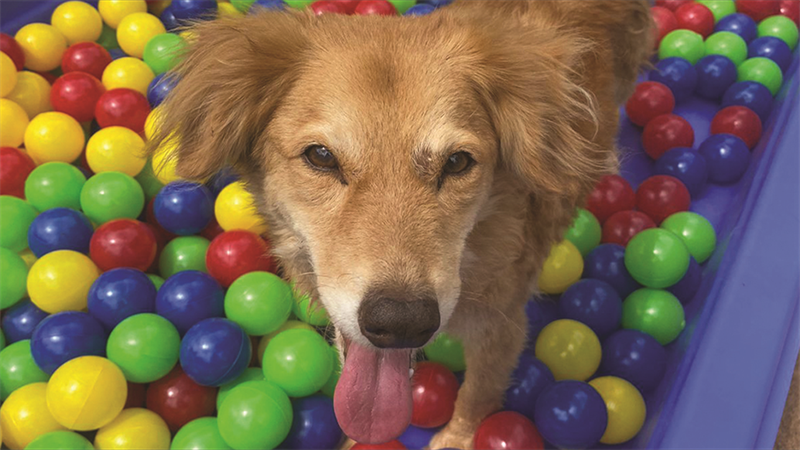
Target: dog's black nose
(391, 322)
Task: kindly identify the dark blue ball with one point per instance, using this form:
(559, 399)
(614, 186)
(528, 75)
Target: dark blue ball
(436, 3)
(678, 75)
(268, 4)
(715, 74)
(571, 414)
(59, 229)
(120, 293)
(159, 88)
(773, 48)
(751, 94)
(416, 438)
(117, 53)
(636, 357)
(540, 312)
(687, 287)
(528, 381)
(314, 425)
(168, 19)
(215, 352)
(65, 336)
(727, 157)
(606, 262)
(420, 9)
(686, 165)
(220, 180)
(20, 320)
(193, 9)
(740, 24)
(184, 208)
(594, 303)
(189, 297)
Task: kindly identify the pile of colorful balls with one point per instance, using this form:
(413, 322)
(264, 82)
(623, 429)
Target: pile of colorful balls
(144, 311)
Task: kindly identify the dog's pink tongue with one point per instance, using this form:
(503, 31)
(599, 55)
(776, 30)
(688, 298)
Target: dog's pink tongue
(373, 397)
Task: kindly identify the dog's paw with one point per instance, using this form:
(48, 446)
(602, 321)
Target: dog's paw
(453, 436)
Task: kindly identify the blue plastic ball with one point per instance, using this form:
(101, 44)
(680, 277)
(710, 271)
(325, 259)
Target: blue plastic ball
(420, 9)
(727, 157)
(159, 88)
(571, 414)
(715, 74)
(193, 9)
(636, 357)
(220, 180)
(687, 287)
(117, 53)
(751, 94)
(594, 303)
(20, 320)
(314, 425)
(184, 208)
(168, 19)
(540, 312)
(528, 381)
(215, 352)
(268, 4)
(416, 438)
(59, 229)
(65, 336)
(607, 263)
(686, 165)
(678, 75)
(740, 24)
(436, 3)
(773, 48)
(189, 297)
(120, 293)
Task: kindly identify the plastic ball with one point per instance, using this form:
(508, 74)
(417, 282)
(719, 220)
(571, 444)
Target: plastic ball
(123, 107)
(193, 9)
(739, 24)
(446, 350)
(585, 232)
(727, 156)
(116, 149)
(433, 393)
(60, 280)
(184, 208)
(607, 263)
(624, 225)
(113, 11)
(529, 379)
(60, 440)
(235, 253)
(144, 346)
(635, 357)
(420, 9)
(11, 47)
(121, 293)
(327, 6)
(299, 361)
(75, 94)
(179, 400)
(24, 416)
(375, 8)
(402, 6)
(686, 289)
(256, 414)
(660, 196)
(77, 21)
(697, 17)
(15, 122)
(123, 243)
(562, 268)
(8, 75)
(655, 312)
(626, 409)
(650, 99)
(163, 52)
(657, 258)
(665, 22)
(678, 74)
(790, 9)
(686, 165)
(18, 368)
(684, 44)
(758, 9)
(133, 428)
(31, 93)
(159, 88)
(391, 445)
(87, 57)
(16, 217)
(612, 194)
(507, 430)
(720, 8)
(715, 74)
(111, 195)
(202, 433)
(189, 297)
(780, 27)
(55, 185)
(136, 30)
(772, 48)
(234, 209)
(762, 70)
(54, 136)
(259, 302)
(20, 320)
(570, 349)
(128, 72)
(249, 374)
(571, 414)
(314, 424)
(65, 336)
(183, 253)
(215, 352)
(695, 231)
(541, 311)
(593, 303)
(43, 46)
(665, 132)
(13, 273)
(739, 121)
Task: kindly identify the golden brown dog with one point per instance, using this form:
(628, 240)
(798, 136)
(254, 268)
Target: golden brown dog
(414, 172)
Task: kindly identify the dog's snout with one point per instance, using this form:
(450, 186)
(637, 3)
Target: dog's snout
(396, 322)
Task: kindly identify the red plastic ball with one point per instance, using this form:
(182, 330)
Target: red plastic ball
(624, 225)
(122, 107)
(235, 253)
(179, 400)
(791, 9)
(391, 445)
(212, 230)
(650, 100)
(612, 194)
(665, 22)
(696, 17)
(739, 121)
(136, 395)
(758, 10)
(375, 8)
(665, 132)
(672, 5)
(15, 166)
(327, 6)
(11, 47)
(433, 393)
(76, 94)
(89, 57)
(661, 196)
(123, 243)
(349, 5)
(507, 430)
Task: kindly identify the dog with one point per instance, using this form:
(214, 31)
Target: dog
(414, 171)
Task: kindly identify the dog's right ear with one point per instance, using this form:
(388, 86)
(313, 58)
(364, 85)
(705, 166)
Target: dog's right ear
(233, 76)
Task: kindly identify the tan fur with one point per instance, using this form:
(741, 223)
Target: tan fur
(529, 89)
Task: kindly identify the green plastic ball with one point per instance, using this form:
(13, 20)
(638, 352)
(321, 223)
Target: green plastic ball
(684, 44)
(16, 216)
(13, 278)
(585, 232)
(163, 52)
(17, 368)
(727, 44)
(111, 195)
(108, 38)
(256, 414)
(299, 4)
(183, 253)
(695, 231)
(720, 8)
(655, 312)
(242, 5)
(764, 71)
(403, 5)
(199, 434)
(780, 27)
(249, 374)
(55, 184)
(310, 314)
(157, 280)
(60, 440)
(148, 181)
(330, 386)
(145, 346)
(259, 302)
(2, 340)
(446, 350)
(299, 361)
(656, 258)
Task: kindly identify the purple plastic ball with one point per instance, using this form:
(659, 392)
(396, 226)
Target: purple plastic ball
(727, 157)
(215, 352)
(571, 414)
(607, 263)
(715, 74)
(594, 303)
(193, 9)
(420, 9)
(168, 19)
(636, 357)
(678, 75)
(528, 381)
(540, 312)
(159, 88)
(189, 297)
(65, 336)
(416, 438)
(314, 425)
(740, 24)
(687, 287)
(184, 208)
(59, 229)
(120, 293)
(687, 165)
(20, 320)
(258, 5)
(751, 94)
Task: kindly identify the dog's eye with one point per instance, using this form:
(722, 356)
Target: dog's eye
(457, 163)
(320, 158)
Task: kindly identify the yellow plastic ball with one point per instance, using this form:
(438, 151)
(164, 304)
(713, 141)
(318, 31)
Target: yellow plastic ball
(8, 75)
(24, 416)
(32, 93)
(158, 6)
(54, 136)
(43, 46)
(128, 72)
(562, 268)
(288, 325)
(134, 429)
(78, 22)
(113, 11)
(626, 409)
(164, 163)
(187, 35)
(570, 349)
(235, 210)
(225, 9)
(152, 123)
(136, 30)
(15, 121)
(86, 393)
(60, 281)
(116, 149)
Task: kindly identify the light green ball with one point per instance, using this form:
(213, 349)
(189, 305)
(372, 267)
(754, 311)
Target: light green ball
(311, 314)
(55, 184)
(13, 278)
(585, 232)
(148, 181)
(727, 44)
(446, 350)
(780, 27)
(656, 258)
(60, 440)
(17, 368)
(249, 374)
(199, 434)
(764, 71)
(299, 4)
(16, 216)
(655, 312)
(299, 361)
(144, 346)
(163, 52)
(695, 231)
(183, 253)
(260, 302)
(720, 8)
(111, 195)
(684, 44)
(255, 414)
(402, 5)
